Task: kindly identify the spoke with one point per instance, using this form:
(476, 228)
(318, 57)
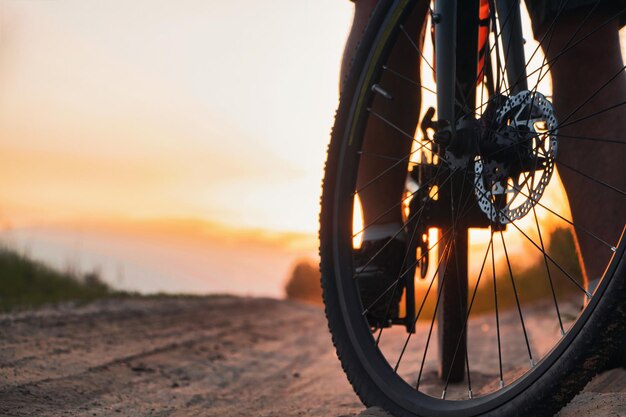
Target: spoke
(469, 379)
(567, 274)
(469, 310)
(519, 308)
(419, 212)
(543, 63)
(554, 298)
(497, 36)
(618, 141)
(571, 45)
(465, 109)
(543, 250)
(456, 261)
(443, 278)
(395, 206)
(545, 260)
(423, 145)
(419, 51)
(404, 260)
(382, 174)
(373, 222)
(545, 135)
(432, 323)
(483, 78)
(430, 285)
(567, 48)
(495, 296)
(406, 271)
(500, 70)
(607, 109)
(381, 156)
(617, 190)
(395, 127)
(614, 106)
(445, 249)
(395, 235)
(407, 79)
(494, 23)
(549, 32)
(621, 71)
(582, 229)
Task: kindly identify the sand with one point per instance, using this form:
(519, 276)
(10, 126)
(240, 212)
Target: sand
(200, 356)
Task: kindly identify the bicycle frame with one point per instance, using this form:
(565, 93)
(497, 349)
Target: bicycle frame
(456, 24)
(447, 17)
(513, 43)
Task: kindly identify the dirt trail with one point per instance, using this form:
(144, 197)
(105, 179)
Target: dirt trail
(213, 356)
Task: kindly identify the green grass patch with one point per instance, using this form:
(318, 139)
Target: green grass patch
(25, 283)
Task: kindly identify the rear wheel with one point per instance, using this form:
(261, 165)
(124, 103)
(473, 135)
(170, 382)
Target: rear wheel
(502, 321)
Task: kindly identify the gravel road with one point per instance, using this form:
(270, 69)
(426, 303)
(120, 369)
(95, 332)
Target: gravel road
(195, 356)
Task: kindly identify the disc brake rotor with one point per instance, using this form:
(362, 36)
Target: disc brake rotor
(506, 190)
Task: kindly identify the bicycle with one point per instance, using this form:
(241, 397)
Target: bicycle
(482, 160)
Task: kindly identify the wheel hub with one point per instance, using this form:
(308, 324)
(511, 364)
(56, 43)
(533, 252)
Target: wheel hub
(510, 177)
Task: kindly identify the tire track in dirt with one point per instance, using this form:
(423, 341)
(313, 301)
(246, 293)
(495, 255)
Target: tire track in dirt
(186, 356)
(172, 356)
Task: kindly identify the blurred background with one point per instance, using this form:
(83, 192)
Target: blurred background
(167, 146)
(153, 146)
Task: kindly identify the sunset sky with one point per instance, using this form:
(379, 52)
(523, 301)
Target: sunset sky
(216, 114)
(160, 109)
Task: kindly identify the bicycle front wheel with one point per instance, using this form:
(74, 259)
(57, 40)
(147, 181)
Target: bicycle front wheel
(498, 315)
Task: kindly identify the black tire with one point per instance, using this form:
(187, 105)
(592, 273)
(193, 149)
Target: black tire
(587, 348)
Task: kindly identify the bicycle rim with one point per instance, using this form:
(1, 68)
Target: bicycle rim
(519, 335)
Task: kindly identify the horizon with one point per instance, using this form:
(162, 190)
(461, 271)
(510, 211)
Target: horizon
(174, 256)
(204, 121)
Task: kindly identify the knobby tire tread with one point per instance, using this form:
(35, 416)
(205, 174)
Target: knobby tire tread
(591, 352)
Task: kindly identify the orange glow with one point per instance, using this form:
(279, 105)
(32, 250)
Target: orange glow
(118, 118)
(357, 223)
(168, 255)
(184, 111)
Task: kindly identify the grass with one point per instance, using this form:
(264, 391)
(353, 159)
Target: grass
(26, 283)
